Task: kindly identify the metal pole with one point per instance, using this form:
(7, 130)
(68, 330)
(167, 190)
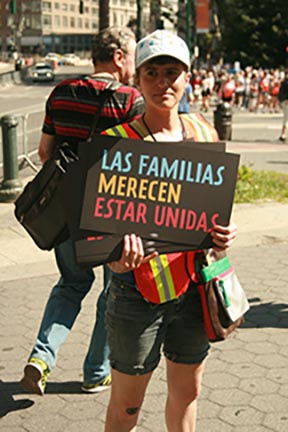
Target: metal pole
(11, 186)
(194, 37)
(103, 14)
(139, 19)
(189, 24)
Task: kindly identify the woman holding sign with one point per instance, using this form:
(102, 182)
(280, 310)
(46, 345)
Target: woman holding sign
(152, 303)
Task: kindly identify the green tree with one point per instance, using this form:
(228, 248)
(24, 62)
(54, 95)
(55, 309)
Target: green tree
(256, 33)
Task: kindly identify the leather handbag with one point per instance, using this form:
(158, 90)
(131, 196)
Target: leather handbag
(223, 300)
(39, 207)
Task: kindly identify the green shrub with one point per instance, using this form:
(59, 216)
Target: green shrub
(260, 186)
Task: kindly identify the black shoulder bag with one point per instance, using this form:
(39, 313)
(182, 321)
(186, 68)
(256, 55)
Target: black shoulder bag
(39, 208)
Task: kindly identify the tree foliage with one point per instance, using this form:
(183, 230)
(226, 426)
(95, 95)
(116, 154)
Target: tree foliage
(254, 32)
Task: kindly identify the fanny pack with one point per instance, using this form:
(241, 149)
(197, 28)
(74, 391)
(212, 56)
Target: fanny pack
(165, 277)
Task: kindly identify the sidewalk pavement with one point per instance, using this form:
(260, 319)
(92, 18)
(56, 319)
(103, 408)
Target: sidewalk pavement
(245, 386)
(6, 67)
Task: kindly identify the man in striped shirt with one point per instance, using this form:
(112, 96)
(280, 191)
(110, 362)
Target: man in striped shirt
(70, 110)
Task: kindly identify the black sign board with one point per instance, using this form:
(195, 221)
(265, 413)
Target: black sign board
(162, 191)
(170, 194)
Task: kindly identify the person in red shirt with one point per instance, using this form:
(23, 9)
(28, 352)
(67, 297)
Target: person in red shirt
(227, 90)
(274, 89)
(196, 82)
(263, 93)
(70, 110)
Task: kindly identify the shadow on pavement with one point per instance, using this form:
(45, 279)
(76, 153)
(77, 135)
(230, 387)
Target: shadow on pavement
(263, 315)
(68, 387)
(7, 402)
(10, 389)
(277, 162)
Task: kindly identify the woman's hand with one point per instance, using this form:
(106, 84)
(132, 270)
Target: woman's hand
(223, 237)
(132, 255)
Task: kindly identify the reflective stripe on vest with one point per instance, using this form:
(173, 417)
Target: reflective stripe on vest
(163, 278)
(123, 130)
(166, 277)
(118, 130)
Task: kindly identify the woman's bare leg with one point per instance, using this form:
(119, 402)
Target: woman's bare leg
(127, 394)
(184, 384)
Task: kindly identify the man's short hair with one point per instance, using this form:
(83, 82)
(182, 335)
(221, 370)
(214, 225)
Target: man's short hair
(108, 40)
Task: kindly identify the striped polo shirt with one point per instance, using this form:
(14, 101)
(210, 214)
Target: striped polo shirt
(71, 107)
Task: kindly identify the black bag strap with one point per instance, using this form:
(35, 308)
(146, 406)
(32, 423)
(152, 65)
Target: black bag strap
(107, 92)
(63, 153)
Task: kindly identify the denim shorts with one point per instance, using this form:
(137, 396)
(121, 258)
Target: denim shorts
(138, 330)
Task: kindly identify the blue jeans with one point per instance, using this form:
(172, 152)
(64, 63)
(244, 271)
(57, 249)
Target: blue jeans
(62, 309)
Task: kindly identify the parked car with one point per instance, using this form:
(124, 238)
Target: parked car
(51, 56)
(42, 72)
(70, 59)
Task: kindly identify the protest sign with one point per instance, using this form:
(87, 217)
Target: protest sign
(161, 192)
(157, 190)
(93, 247)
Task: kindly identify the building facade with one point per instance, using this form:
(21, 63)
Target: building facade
(38, 26)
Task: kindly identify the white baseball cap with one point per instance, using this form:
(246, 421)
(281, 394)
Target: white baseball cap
(162, 43)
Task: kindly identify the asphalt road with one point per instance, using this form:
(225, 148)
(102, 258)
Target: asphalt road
(254, 135)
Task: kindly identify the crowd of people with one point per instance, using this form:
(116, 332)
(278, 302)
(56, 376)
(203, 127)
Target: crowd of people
(256, 90)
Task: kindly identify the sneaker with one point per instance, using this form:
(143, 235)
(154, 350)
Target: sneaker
(98, 387)
(283, 139)
(35, 376)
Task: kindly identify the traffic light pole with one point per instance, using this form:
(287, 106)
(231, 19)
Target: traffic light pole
(103, 14)
(139, 19)
(13, 7)
(189, 24)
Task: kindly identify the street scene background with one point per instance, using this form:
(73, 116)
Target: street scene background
(245, 387)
